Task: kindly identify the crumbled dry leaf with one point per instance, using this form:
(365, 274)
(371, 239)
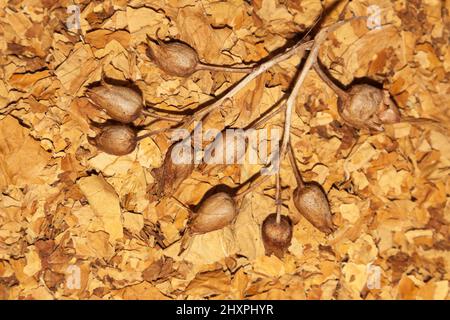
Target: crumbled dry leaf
(22, 158)
(104, 201)
(65, 206)
(349, 212)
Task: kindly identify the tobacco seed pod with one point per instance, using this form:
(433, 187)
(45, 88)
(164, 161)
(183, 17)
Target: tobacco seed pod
(178, 59)
(365, 106)
(228, 147)
(312, 203)
(174, 58)
(276, 236)
(310, 199)
(214, 213)
(172, 173)
(121, 103)
(117, 139)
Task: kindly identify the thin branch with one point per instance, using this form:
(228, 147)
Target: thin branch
(264, 119)
(162, 117)
(325, 78)
(299, 48)
(259, 181)
(278, 201)
(310, 61)
(298, 175)
(152, 133)
(212, 67)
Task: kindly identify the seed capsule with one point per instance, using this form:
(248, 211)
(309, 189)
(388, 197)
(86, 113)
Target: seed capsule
(312, 203)
(228, 147)
(172, 173)
(214, 213)
(121, 103)
(365, 106)
(178, 59)
(310, 199)
(174, 58)
(115, 139)
(276, 236)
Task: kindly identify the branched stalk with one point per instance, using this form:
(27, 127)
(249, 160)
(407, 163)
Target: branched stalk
(212, 67)
(172, 118)
(299, 48)
(310, 61)
(258, 181)
(340, 93)
(278, 201)
(298, 175)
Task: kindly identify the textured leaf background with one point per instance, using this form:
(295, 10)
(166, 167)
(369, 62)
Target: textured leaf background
(63, 203)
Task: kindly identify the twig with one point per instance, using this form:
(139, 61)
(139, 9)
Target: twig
(182, 205)
(325, 78)
(263, 120)
(278, 201)
(162, 117)
(298, 175)
(151, 133)
(438, 125)
(310, 61)
(299, 48)
(259, 181)
(212, 67)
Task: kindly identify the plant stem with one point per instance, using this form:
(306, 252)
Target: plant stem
(263, 120)
(162, 117)
(444, 128)
(151, 133)
(278, 197)
(259, 181)
(182, 205)
(211, 67)
(298, 175)
(310, 61)
(299, 48)
(340, 93)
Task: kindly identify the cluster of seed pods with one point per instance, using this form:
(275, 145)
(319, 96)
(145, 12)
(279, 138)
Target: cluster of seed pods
(362, 106)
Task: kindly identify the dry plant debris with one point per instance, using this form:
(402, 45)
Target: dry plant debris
(78, 223)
